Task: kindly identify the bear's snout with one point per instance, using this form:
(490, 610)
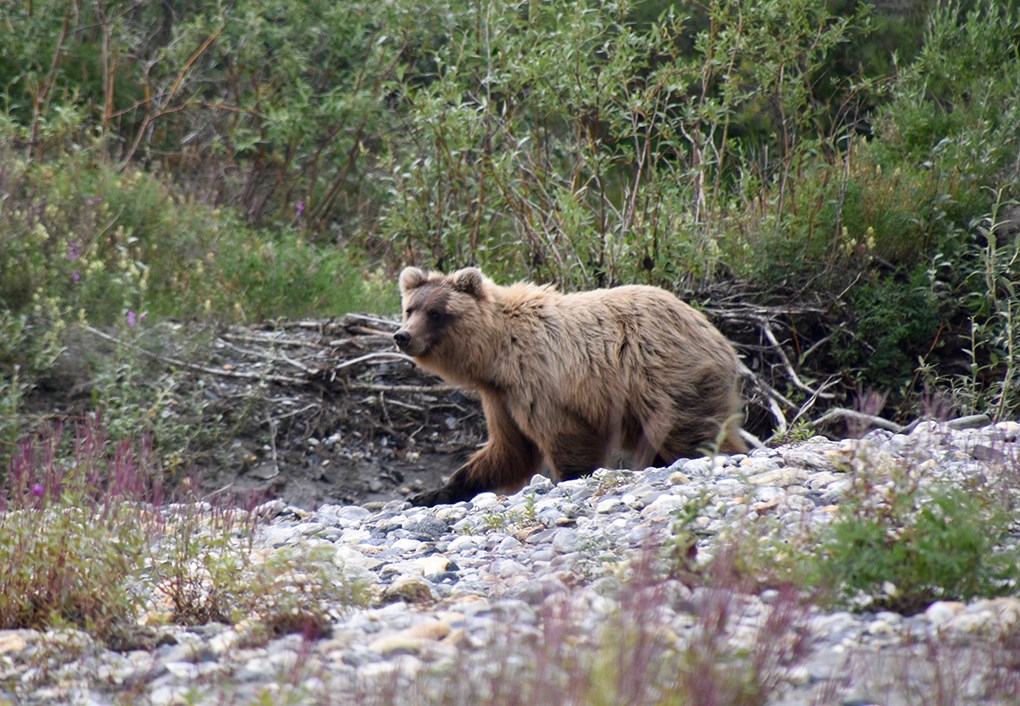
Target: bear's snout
(402, 338)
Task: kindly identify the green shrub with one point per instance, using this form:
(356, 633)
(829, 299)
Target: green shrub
(287, 276)
(992, 283)
(946, 119)
(203, 566)
(101, 243)
(894, 322)
(300, 588)
(591, 151)
(896, 547)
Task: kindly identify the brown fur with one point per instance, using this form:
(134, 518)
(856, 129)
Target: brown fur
(569, 378)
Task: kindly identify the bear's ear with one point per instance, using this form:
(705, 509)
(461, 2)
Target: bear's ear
(469, 280)
(411, 278)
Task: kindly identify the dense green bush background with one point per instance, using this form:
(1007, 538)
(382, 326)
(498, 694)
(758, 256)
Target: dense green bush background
(243, 160)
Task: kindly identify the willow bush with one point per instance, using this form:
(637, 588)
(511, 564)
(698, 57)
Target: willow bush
(561, 140)
(212, 160)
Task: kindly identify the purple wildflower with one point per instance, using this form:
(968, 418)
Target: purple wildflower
(73, 250)
(134, 319)
(300, 208)
(94, 200)
(38, 490)
(75, 276)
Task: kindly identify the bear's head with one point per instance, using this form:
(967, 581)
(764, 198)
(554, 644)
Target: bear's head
(438, 312)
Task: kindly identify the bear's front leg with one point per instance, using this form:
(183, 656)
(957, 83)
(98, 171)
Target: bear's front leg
(458, 487)
(577, 450)
(505, 463)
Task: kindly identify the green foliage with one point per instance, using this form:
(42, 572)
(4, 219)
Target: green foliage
(268, 104)
(610, 154)
(898, 323)
(137, 396)
(30, 343)
(993, 380)
(62, 243)
(100, 243)
(290, 276)
(798, 432)
(894, 546)
(944, 105)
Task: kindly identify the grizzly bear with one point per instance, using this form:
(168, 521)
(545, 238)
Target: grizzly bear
(570, 378)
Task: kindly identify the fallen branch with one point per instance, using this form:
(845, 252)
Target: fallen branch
(266, 356)
(370, 387)
(868, 419)
(170, 360)
(813, 399)
(373, 356)
(268, 339)
(791, 373)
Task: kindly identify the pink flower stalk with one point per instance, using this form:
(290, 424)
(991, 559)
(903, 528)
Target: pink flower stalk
(134, 319)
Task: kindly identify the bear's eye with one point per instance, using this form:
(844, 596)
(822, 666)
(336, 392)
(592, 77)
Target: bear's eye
(435, 316)
(408, 311)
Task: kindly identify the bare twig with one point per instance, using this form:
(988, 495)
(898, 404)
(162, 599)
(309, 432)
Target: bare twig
(266, 356)
(272, 442)
(405, 405)
(794, 378)
(366, 331)
(853, 415)
(152, 116)
(267, 339)
(295, 412)
(193, 366)
(813, 399)
(380, 355)
(371, 387)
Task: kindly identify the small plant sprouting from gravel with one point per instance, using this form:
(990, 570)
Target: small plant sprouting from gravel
(297, 588)
(896, 545)
(200, 559)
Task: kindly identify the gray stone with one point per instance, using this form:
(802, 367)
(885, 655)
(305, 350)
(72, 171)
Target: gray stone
(566, 540)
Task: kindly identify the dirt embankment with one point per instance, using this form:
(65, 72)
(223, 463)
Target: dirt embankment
(313, 412)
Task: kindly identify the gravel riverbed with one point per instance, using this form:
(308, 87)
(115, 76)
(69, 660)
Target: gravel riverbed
(516, 599)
